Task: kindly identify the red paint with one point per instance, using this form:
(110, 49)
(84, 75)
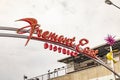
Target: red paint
(53, 37)
(64, 51)
(55, 48)
(60, 50)
(87, 51)
(32, 24)
(45, 35)
(45, 45)
(83, 42)
(50, 48)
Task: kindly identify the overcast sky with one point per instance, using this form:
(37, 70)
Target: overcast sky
(91, 19)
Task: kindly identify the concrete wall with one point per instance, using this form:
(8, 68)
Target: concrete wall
(89, 74)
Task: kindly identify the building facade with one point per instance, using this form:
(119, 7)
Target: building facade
(84, 68)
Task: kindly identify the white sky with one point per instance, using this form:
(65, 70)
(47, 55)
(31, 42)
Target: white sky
(91, 19)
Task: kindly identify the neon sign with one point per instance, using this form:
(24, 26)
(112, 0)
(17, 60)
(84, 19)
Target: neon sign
(53, 37)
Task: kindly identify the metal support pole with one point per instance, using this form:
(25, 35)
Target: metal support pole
(112, 64)
(110, 3)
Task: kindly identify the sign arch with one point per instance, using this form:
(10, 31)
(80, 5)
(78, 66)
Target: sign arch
(52, 42)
